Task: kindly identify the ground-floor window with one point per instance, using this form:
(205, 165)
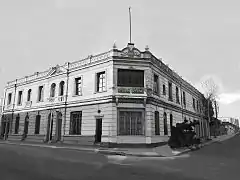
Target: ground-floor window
(37, 124)
(171, 121)
(17, 124)
(131, 123)
(75, 123)
(157, 129)
(165, 124)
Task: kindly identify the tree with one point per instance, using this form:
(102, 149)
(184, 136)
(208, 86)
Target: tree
(211, 94)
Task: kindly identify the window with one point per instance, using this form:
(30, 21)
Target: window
(19, 102)
(61, 88)
(9, 98)
(165, 124)
(17, 124)
(170, 91)
(130, 78)
(184, 98)
(177, 95)
(29, 95)
(155, 85)
(40, 93)
(101, 82)
(130, 123)
(194, 104)
(53, 89)
(37, 124)
(197, 106)
(171, 121)
(157, 129)
(78, 86)
(75, 123)
(164, 89)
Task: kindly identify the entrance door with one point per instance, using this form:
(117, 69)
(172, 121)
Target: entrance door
(49, 127)
(58, 126)
(26, 122)
(98, 135)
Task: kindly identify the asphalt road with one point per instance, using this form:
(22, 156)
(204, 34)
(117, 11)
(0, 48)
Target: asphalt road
(216, 162)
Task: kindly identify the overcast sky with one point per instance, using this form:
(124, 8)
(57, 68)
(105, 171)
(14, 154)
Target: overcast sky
(198, 39)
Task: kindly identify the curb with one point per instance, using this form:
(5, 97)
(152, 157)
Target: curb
(49, 146)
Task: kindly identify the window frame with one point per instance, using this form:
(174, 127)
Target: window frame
(71, 125)
(156, 84)
(170, 92)
(61, 88)
(97, 82)
(53, 90)
(76, 86)
(40, 93)
(20, 98)
(29, 94)
(9, 98)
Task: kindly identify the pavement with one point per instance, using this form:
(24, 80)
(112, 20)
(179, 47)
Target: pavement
(161, 151)
(219, 161)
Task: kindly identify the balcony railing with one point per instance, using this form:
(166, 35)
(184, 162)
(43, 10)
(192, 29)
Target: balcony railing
(61, 98)
(130, 90)
(28, 104)
(51, 99)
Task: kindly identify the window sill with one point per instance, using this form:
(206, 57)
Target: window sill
(96, 92)
(75, 95)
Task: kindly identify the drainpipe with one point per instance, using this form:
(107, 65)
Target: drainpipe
(66, 99)
(15, 92)
(181, 98)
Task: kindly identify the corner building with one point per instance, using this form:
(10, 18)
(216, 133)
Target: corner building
(114, 98)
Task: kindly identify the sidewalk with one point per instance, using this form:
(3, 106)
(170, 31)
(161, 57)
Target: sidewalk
(161, 151)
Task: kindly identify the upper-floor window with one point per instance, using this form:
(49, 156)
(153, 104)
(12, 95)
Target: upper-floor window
(29, 95)
(130, 78)
(40, 93)
(197, 106)
(9, 98)
(61, 88)
(101, 81)
(170, 98)
(19, 102)
(78, 86)
(164, 89)
(52, 90)
(184, 98)
(177, 95)
(156, 85)
(194, 104)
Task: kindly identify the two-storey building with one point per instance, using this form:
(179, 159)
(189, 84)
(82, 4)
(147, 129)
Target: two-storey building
(118, 97)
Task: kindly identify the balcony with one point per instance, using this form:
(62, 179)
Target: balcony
(61, 98)
(130, 90)
(28, 104)
(51, 99)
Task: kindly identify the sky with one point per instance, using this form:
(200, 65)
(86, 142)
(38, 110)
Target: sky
(198, 39)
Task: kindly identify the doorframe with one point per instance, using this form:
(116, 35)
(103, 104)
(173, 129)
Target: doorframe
(96, 118)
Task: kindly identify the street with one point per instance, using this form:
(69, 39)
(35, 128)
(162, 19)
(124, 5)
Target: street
(216, 162)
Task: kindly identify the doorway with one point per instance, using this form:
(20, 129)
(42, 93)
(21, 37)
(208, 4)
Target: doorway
(59, 126)
(49, 127)
(98, 135)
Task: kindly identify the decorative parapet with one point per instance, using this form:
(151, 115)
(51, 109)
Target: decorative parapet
(51, 99)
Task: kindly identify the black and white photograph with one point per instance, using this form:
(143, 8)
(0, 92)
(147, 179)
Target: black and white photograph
(130, 89)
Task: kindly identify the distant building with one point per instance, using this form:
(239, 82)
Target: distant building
(121, 96)
(232, 120)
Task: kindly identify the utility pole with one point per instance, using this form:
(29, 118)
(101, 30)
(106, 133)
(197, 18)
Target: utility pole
(130, 25)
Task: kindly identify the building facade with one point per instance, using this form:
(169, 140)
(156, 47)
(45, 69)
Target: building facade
(122, 96)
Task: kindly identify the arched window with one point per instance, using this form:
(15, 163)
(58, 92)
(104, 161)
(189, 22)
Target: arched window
(29, 95)
(61, 88)
(165, 123)
(53, 88)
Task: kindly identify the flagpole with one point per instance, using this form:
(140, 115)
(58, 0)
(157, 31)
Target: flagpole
(130, 23)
